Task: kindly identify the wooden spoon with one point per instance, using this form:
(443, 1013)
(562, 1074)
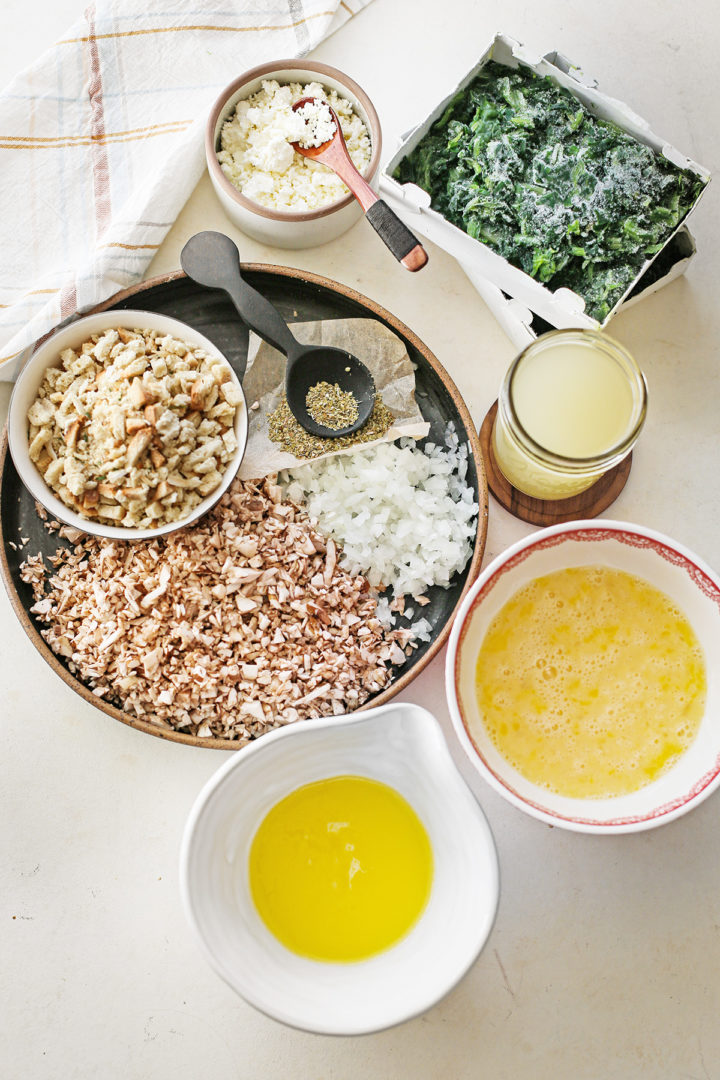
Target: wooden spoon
(391, 230)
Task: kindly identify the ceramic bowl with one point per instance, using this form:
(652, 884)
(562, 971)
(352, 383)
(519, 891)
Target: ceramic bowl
(399, 745)
(665, 564)
(282, 228)
(48, 355)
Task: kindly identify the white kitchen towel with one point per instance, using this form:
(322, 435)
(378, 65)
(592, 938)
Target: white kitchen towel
(101, 143)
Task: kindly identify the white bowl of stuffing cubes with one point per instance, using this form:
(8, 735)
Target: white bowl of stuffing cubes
(127, 424)
(266, 188)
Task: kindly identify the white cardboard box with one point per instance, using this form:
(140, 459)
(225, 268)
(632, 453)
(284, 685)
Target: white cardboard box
(523, 327)
(561, 308)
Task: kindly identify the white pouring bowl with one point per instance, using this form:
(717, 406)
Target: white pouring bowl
(47, 356)
(665, 564)
(401, 746)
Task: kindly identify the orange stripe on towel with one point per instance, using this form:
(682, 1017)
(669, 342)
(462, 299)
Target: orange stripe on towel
(178, 29)
(160, 129)
(130, 247)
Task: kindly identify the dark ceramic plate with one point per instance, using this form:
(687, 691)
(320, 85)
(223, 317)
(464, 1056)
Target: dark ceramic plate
(300, 297)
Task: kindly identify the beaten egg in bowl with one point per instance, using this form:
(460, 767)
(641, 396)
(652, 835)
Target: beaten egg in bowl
(583, 676)
(591, 682)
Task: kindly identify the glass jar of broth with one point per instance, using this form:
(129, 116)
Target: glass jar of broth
(571, 407)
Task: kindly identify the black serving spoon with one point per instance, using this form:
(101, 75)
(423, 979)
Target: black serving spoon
(212, 259)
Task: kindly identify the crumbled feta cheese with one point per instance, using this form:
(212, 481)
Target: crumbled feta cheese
(319, 124)
(257, 158)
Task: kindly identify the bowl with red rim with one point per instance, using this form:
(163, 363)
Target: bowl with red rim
(691, 586)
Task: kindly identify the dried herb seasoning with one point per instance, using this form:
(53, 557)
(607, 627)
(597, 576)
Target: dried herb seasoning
(285, 430)
(520, 164)
(331, 406)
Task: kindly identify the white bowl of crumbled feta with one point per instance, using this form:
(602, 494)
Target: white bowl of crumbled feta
(127, 424)
(267, 189)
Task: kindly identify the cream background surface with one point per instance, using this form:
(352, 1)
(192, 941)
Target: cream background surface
(604, 963)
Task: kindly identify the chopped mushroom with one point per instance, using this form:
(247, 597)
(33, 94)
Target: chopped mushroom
(238, 624)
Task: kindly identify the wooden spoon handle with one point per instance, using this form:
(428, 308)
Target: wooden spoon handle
(396, 235)
(337, 158)
(391, 230)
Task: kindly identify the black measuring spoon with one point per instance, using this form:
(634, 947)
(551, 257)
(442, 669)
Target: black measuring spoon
(212, 259)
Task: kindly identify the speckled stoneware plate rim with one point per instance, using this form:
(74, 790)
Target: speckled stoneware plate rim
(300, 278)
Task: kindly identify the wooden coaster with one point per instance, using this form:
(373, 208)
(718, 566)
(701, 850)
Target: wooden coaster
(587, 504)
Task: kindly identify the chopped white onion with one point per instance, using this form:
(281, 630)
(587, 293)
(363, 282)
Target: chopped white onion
(404, 516)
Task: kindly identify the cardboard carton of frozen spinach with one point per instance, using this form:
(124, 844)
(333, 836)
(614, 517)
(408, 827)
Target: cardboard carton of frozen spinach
(520, 163)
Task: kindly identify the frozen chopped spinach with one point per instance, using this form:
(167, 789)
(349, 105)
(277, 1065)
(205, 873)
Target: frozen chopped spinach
(520, 164)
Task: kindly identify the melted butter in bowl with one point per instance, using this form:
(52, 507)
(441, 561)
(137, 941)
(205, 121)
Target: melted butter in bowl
(341, 869)
(339, 874)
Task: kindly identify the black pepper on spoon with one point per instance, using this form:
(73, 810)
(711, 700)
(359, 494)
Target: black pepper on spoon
(212, 259)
